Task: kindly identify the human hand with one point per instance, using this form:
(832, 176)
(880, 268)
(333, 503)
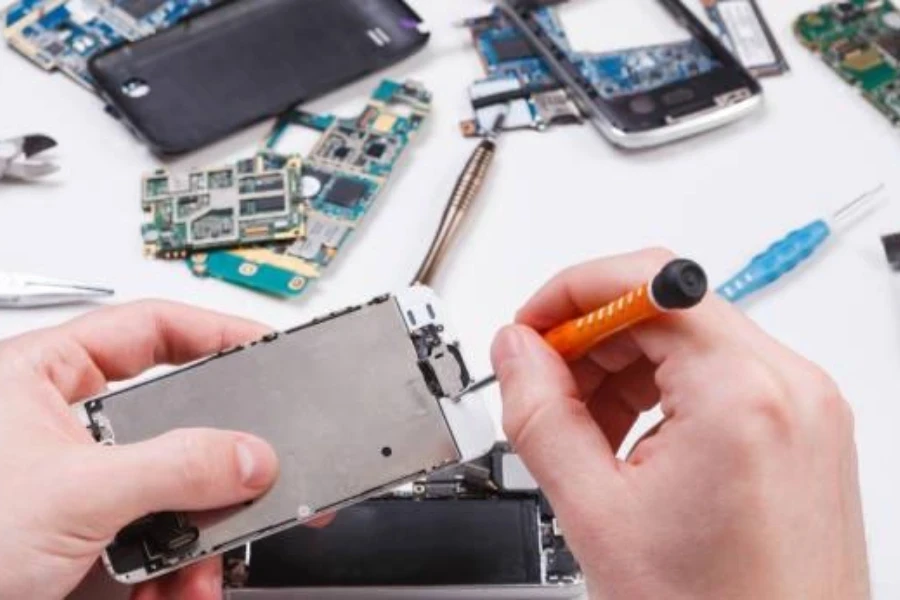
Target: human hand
(749, 487)
(64, 497)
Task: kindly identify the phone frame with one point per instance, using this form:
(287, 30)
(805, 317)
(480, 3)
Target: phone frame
(454, 432)
(677, 111)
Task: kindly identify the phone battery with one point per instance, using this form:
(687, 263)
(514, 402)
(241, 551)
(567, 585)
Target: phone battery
(743, 29)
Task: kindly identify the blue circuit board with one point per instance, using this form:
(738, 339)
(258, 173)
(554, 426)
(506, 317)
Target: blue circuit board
(513, 66)
(65, 34)
(342, 177)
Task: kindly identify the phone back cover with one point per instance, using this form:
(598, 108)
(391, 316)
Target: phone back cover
(245, 60)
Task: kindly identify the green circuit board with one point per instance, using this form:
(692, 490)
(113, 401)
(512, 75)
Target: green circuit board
(860, 41)
(250, 202)
(339, 181)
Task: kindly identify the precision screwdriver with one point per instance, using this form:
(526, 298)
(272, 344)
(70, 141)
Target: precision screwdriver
(680, 285)
(468, 186)
(796, 247)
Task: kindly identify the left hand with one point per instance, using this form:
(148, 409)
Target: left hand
(64, 497)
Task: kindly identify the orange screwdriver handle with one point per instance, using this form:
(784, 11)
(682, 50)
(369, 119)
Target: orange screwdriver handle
(576, 338)
(681, 284)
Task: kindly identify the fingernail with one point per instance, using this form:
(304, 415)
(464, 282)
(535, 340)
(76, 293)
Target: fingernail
(508, 346)
(254, 459)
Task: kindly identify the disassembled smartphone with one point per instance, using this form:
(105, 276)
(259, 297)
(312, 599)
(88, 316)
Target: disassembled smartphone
(860, 41)
(639, 97)
(354, 404)
(479, 530)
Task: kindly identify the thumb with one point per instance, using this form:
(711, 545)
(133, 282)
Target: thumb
(546, 421)
(187, 469)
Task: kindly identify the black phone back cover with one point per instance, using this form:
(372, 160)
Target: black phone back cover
(245, 60)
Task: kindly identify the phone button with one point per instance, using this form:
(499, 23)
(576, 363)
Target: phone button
(678, 96)
(642, 105)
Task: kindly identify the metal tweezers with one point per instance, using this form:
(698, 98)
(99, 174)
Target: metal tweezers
(18, 290)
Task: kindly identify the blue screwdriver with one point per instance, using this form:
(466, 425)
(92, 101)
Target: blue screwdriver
(796, 247)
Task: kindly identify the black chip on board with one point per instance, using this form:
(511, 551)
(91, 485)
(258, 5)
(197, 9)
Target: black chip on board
(347, 193)
(515, 48)
(890, 45)
(376, 150)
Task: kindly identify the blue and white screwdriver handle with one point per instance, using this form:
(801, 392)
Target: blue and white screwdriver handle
(796, 247)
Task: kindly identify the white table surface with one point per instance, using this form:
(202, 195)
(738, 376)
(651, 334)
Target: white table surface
(554, 199)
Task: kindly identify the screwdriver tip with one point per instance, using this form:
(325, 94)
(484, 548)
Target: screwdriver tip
(858, 207)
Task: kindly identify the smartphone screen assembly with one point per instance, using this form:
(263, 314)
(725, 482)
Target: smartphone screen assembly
(354, 404)
(644, 72)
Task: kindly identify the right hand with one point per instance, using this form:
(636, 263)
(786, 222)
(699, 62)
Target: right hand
(749, 487)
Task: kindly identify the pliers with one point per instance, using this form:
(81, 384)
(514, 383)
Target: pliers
(16, 157)
(18, 290)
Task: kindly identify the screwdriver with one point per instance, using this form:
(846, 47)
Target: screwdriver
(793, 249)
(468, 186)
(680, 285)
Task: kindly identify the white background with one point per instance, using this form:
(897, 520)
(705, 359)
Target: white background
(554, 199)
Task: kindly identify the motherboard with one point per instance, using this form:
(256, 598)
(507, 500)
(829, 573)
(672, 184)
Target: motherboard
(65, 34)
(327, 195)
(860, 41)
(251, 202)
(521, 85)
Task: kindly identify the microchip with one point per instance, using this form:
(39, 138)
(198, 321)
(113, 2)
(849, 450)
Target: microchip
(55, 48)
(342, 152)
(255, 206)
(347, 193)
(376, 150)
(515, 48)
(890, 45)
(847, 11)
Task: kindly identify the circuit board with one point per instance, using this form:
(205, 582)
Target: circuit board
(251, 202)
(521, 85)
(339, 182)
(65, 34)
(743, 29)
(860, 41)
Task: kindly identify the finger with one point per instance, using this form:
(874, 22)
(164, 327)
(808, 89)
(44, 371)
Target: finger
(614, 355)
(149, 590)
(189, 470)
(125, 340)
(544, 418)
(617, 404)
(614, 417)
(199, 581)
(587, 375)
(635, 386)
(120, 342)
